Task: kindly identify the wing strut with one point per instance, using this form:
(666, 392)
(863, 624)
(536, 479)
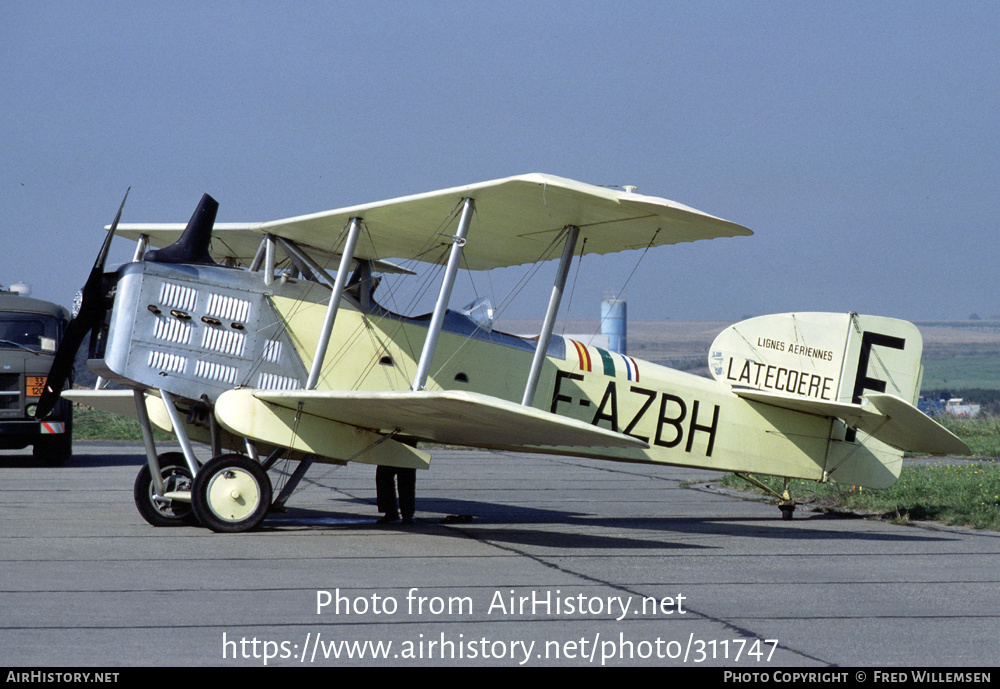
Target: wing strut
(140, 248)
(550, 315)
(269, 246)
(258, 258)
(147, 439)
(331, 312)
(437, 319)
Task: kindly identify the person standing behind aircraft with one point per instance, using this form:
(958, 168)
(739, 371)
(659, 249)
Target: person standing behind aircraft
(386, 481)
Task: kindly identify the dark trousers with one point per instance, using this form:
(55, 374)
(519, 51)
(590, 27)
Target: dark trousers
(387, 479)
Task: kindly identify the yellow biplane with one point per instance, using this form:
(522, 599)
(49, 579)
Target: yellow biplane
(268, 340)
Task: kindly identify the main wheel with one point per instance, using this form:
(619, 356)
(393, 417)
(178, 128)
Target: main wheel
(163, 511)
(231, 493)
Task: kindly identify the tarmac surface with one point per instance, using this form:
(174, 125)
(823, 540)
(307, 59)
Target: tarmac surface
(514, 560)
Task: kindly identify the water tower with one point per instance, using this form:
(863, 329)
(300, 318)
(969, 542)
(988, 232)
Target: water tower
(613, 324)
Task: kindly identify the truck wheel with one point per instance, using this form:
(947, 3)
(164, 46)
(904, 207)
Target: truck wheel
(53, 451)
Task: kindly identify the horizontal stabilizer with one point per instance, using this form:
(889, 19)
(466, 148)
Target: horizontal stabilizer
(910, 429)
(115, 401)
(885, 417)
(459, 418)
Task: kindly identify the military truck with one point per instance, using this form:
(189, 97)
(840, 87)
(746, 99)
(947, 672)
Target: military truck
(30, 330)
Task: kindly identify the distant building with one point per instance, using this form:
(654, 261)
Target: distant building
(959, 409)
(951, 406)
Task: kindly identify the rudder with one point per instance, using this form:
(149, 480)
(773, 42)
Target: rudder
(821, 356)
(863, 372)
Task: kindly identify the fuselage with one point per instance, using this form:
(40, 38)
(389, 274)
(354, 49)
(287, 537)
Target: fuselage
(198, 331)
(684, 419)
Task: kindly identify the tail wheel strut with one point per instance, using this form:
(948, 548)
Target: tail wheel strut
(785, 502)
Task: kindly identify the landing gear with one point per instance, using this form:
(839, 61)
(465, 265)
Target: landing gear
(786, 510)
(231, 493)
(163, 511)
(785, 502)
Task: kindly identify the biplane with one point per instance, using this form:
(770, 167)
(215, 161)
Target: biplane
(269, 340)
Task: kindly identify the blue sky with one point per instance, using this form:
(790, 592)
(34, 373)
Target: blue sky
(858, 140)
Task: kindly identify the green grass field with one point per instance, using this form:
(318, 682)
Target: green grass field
(981, 435)
(95, 424)
(962, 373)
(955, 494)
(948, 492)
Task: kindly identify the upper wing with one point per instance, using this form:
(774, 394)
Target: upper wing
(516, 219)
(239, 242)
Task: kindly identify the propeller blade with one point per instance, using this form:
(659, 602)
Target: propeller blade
(103, 254)
(62, 366)
(90, 316)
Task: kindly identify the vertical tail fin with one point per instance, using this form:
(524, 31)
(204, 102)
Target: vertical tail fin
(863, 372)
(821, 356)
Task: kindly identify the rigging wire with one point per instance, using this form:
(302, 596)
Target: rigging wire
(427, 281)
(572, 290)
(547, 254)
(621, 291)
(340, 463)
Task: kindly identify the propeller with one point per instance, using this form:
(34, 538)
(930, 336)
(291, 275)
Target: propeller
(89, 317)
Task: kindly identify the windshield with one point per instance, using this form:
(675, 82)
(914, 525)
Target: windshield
(30, 331)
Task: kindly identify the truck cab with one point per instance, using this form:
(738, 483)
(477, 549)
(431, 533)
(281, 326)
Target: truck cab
(30, 330)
